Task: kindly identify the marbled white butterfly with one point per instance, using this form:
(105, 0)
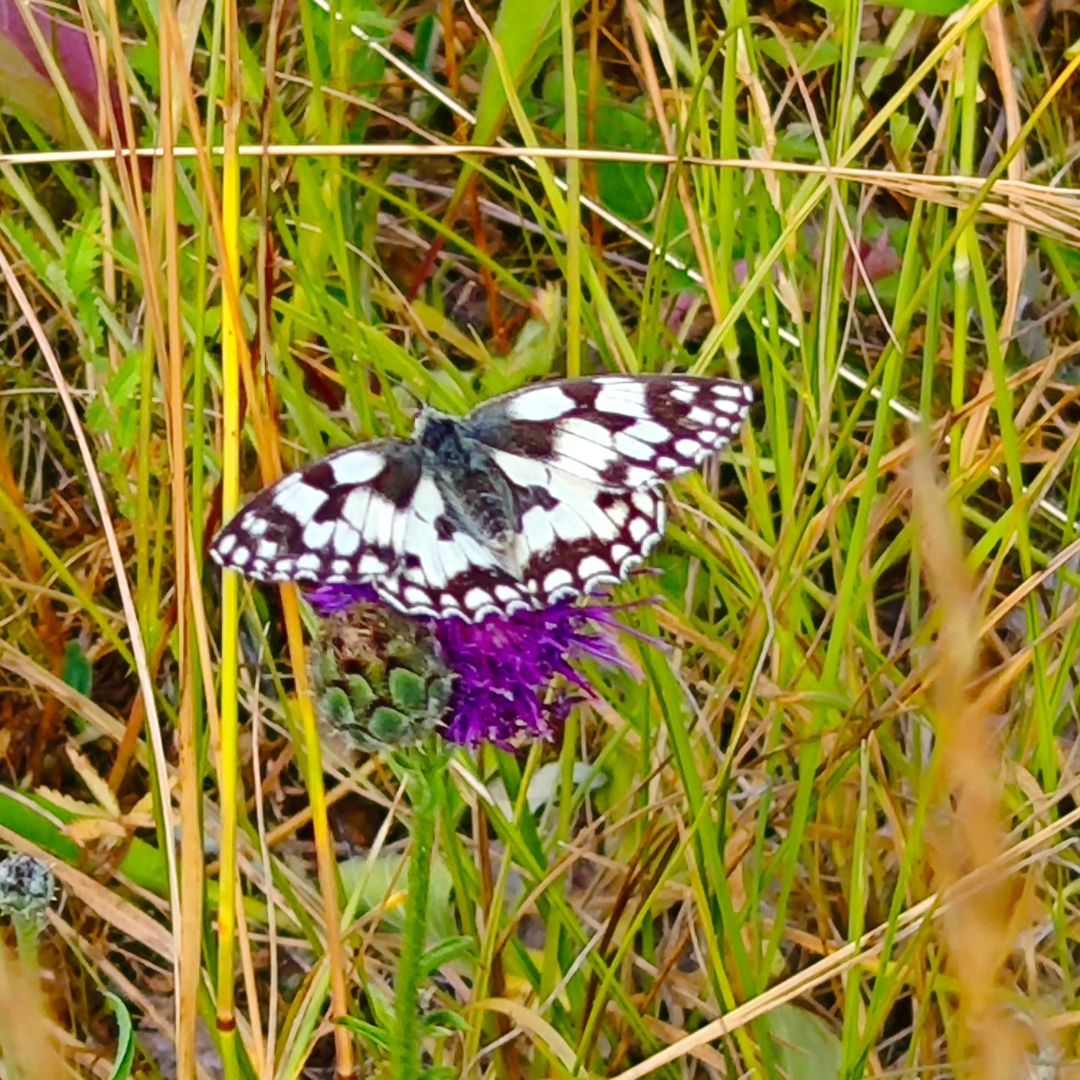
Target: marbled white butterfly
(539, 495)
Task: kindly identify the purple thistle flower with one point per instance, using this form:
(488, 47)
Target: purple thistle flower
(513, 674)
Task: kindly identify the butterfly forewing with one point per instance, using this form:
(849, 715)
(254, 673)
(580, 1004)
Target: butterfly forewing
(618, 431)
(331, 522)
(581, 461)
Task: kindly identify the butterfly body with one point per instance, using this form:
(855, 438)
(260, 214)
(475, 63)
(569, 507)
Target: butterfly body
(478, 498)
(543, 494)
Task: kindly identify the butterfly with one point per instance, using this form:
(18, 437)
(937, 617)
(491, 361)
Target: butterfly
(543, 494)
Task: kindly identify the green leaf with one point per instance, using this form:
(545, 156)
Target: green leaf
(25, 88)
(371, 1032)
(524, 31)
(78, 672)
(444, 1022)
(440, 1072)
(125, 1043)
(447, 951)
(810, 56)
(805, 1046)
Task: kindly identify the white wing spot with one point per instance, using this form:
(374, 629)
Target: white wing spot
(732, 408)
(648, 431)
(422, 540)
(536, 532)
(733, 390)
(619, 511)
(300, 501)
(619, 552)
(258, 527)
(341, 566)
(427, 503)
(382, 515)
(568, 525)
(356, 466)
(581, 500)
(638, 477)
(473, 552)
(308, 561)
(346, 539)
(354, 509)
(667, 464)
(240, 556)
(318, 534)
(687, 447)
(544, 403)
(371, 564)
(588, 429)
(572, 446)
(592, 565)
(454, 562)
(650, 542)
(709, 436)
(572, 467)
(622, 398)
(226, 544)
(558, 578)
(476, 598)
(414, 595)
(630, 447)
(266, 549)
(683, 394)
(703, 417)
(524, 471)
(643, 502)
(639, 529)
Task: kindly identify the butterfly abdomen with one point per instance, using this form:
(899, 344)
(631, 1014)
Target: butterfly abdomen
(476, 494)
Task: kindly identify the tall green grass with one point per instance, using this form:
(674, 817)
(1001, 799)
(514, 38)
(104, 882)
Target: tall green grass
(831, 831)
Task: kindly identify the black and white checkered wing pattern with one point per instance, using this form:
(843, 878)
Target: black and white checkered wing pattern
(621, 432)
(341, 520)
(586, 458)
(541, 495)
(373, 515)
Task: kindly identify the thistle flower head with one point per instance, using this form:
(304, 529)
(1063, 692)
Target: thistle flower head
(26, 887)
(512, 677)
(379, 678)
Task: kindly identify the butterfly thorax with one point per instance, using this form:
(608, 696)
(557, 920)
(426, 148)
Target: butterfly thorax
(475, 492)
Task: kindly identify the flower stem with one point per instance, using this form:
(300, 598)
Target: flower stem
(407, 1036)
(27, 932)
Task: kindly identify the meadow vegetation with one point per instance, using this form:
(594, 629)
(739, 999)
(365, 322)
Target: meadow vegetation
(829, 829)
